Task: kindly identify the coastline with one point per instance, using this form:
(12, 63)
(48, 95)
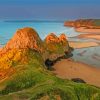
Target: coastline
(68, 69)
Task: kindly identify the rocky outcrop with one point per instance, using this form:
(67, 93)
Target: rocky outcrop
(52, 38)
(56, 46)
(69, 23)
(23, 39)
(26, 42)
(78, 80)
(88, 23)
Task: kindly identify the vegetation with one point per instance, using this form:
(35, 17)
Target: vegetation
(34, 82)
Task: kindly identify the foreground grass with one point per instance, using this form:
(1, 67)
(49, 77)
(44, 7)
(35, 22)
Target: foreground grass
(35, 83)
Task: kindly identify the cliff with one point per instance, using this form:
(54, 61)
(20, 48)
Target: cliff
(88, 23)
(18, 49)
(23, 39)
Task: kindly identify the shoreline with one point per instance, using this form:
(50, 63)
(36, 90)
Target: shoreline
(68, 69)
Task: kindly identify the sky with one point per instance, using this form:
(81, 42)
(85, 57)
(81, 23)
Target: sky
(49, 9)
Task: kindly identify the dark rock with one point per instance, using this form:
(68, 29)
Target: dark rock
(48, 64)
(78, 80)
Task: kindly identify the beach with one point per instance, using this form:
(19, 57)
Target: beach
(91, 35)
(87, 30)
(68, 69)
(79, 45)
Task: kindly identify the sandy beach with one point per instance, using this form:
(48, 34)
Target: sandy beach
(90, 36)
(85, 30)
(78, 45)
(68, 69)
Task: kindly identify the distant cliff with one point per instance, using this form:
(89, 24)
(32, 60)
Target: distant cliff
(88, 23)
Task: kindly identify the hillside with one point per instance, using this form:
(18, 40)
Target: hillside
(24, 76)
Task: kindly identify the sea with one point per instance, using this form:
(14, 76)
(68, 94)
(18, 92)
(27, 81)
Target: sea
(91, 55)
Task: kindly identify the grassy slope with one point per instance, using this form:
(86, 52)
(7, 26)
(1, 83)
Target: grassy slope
(33, 81)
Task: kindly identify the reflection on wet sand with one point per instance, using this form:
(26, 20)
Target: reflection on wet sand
(82, 53)
(96, 57)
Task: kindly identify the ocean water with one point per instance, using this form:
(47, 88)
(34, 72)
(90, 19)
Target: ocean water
(91, 55)
(7, 29)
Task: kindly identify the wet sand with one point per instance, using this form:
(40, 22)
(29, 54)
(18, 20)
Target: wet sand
(68, 69)
(78, 45)
(86, 30)
(90, 36)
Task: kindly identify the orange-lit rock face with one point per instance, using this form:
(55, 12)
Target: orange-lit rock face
(24, 38)
(81, 23)
(62, 37)
(69, 23)
(54, 39)
(17, 49)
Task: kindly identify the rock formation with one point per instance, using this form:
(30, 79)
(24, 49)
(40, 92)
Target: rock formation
(24, 38)
(18, 49)
(56, 46)
(88, 23)
(52, 38)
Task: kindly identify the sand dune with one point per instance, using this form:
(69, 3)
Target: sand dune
(68, 69)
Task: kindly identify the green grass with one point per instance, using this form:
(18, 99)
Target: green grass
(34, 83)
